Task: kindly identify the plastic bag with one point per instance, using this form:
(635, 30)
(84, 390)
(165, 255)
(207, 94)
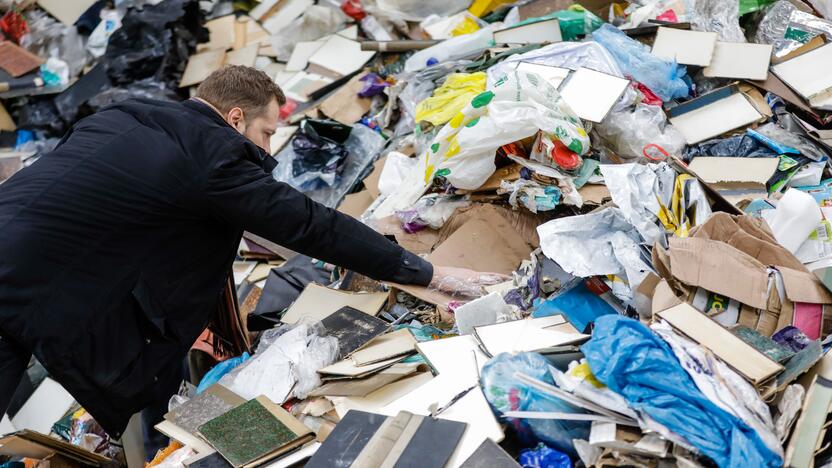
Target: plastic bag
(580, 305)
(287, 367)
(664, 78)
(635, 363)
(450, 98)
(217, 372)
(431, 211)
(571, 55)
(544, 457)
(630, 133)
(396, 168)
(316, 22)
(110, 22)
(362, 146)
(506, 393)
(530, 194)
(50, 38)
(735, 146)
(320, 152)
(460, 47)
(718, 16)
(418, 10)
(516, 107)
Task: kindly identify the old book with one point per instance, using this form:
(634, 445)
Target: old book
(255, 432)
(318, 302)
(490, 455)
(386, 346)
(365, 386)
(353, 328)
(345, 443)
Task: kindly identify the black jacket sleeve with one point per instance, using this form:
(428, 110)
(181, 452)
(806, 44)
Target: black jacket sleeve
(241, 192)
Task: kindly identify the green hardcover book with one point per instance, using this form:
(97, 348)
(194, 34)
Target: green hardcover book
(255, 432)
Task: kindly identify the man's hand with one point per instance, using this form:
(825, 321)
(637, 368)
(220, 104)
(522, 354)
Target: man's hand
(463, 282)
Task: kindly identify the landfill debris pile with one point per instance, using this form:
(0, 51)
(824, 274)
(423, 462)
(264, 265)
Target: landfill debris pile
(644, 186)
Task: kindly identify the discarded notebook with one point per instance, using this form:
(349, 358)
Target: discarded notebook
(490, 455)
(591, 94)
(364, 386)
(740, 61)
(713, 114)
(530, 33)
(810, 75)
(402, 441)
(255, 432)
(353, 328)
(539, 335)
(685, 47)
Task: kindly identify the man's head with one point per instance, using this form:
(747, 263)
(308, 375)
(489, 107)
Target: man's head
(247, 99)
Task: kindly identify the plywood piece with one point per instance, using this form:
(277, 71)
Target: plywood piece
(341, 56)
(200, 66)
(355, 204)
(384, 347)
(714, 119)
(684, 46)
(532, 33)
(301, 53)
(66, 11)
(735, 173)
(739, 60)
(221, 34)
(6, 122)
(317, 302)
(245, 56)
(750, 363)
(810, 75)
(591, 94)
(48, 403)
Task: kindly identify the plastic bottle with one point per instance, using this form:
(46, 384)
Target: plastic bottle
(452, 49)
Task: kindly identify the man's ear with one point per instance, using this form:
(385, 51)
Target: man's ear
(234, 117)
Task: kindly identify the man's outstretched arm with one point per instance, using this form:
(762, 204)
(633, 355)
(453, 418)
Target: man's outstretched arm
(240, 192)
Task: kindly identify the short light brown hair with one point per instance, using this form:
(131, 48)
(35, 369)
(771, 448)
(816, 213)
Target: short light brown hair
(237, 86)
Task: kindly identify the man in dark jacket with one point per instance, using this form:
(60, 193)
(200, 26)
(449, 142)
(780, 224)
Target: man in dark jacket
(114, 247)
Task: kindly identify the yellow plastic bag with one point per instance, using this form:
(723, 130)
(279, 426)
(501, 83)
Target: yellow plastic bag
(451, 97)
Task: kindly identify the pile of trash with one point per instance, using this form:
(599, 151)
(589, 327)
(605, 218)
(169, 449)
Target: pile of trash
(644, 186)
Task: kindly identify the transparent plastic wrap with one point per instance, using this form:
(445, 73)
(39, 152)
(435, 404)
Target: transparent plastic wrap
(431, 211)
(632, 133)
(505, 392)
(463, 283)
(50, 38)
(363, 146)
(718, 16)
(456, 48)
(664, 78)
(287, 366)
(571, 55)
(315, 23)
(418, 10)
(397, 166)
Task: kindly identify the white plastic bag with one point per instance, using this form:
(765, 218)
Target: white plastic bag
(517, 106)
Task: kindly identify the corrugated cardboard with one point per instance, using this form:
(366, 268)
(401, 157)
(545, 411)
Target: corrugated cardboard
(345, 105)
(750, 363)
(35, 445)
(488, 232)
(735, 173)
(371, 181)
(355, 204)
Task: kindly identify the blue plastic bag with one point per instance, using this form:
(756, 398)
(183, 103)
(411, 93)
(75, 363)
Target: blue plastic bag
(580, 305)
(215, 374)
(665, 78)
(544, 457)
(634, 362)
(505, 393)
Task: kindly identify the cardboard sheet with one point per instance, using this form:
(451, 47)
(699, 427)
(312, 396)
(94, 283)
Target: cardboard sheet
(735, 173)
(684, 46)
(716, 118)
(221, 34)
(810, 75)
(742, 357)
(301, 53)
(739, 60)
(66, 11)
(276, 19)
(6, 121)
(384, 347)
(528, 335)
(317, 302)
(591, 94)
(537, 32)
(344, 105)
(341, 56)
(355, 204)
(347, 368)
(200, 66)
(245, 56)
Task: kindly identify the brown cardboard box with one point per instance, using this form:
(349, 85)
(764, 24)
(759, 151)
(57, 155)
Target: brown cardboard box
(53, 453)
